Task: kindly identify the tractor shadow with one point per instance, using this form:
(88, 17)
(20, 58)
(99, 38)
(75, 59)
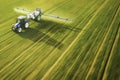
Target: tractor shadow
(37, 36)
(36, 33)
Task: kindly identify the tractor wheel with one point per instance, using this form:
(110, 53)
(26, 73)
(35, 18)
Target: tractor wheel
(19, 29)
(13, 28)
(26, 25)
(38, 18)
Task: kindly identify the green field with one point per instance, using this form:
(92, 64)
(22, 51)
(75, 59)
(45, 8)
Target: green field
(86, 49)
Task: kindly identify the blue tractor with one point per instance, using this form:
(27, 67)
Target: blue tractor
(21, 23)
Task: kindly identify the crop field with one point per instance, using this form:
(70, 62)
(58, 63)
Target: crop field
(88, 48)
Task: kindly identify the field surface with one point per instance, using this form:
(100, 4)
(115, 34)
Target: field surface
(86, 49)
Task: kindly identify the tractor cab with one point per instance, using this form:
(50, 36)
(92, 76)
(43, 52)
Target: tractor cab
(21, 19)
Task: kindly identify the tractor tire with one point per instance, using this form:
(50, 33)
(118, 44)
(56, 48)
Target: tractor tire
(38, 18)
(26, 25)
(13, 28)
(19, 30)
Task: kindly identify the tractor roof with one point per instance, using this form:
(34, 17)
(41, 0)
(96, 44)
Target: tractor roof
(21, 17)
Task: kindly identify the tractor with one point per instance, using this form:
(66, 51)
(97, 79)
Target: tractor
(21, 23)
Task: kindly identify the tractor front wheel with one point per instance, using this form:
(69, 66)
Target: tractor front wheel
(38, 18)
(19, 29)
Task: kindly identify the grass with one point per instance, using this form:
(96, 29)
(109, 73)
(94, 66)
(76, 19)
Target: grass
(87, 48)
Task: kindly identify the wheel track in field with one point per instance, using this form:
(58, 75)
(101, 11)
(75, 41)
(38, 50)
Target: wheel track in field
(100, 48)
(77, 70)
(70, 46)
(102, 69)
(109, 60)
(85, 72)
(86, 56)
(104, 77)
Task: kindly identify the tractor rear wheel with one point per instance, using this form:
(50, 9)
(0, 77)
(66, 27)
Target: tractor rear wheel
(38, 18)
(26, 25)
